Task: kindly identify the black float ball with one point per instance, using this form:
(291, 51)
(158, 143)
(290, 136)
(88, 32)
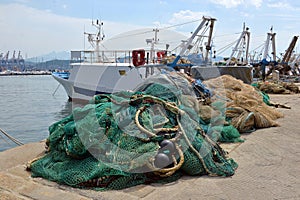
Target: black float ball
(167, 145)
(161, 160)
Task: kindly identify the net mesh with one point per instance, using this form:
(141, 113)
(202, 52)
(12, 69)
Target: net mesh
(156, 133)
(276, 87)
(246, 107)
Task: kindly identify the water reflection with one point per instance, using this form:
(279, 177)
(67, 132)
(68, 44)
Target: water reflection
(28, 108)
(67, 109)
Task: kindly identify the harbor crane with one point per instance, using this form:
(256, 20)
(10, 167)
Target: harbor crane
(15, 62)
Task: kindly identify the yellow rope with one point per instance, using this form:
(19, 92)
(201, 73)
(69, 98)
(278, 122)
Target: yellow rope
(169, 171)
(194, 150)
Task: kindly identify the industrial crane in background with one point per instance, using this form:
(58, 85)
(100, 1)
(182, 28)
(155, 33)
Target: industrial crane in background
(4, 59)
(13, 63)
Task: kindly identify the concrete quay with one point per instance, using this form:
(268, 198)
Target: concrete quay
(269, 168)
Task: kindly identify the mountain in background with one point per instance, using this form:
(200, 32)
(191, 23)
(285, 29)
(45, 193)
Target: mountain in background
(62, 55)
(61, 61)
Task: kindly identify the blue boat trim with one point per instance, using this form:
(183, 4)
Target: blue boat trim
(64, 75)
(87, 92)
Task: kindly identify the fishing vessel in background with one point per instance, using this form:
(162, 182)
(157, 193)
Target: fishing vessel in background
(102, 71)
(236, 65)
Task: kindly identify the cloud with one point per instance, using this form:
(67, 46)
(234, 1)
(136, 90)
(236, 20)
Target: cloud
(186, 16)
(228, 3)
(36, 32)
(256, 3)
(282, 17)
(163, 3)
(280, 5)
(22, 1)
(236, 3)
(180, 17)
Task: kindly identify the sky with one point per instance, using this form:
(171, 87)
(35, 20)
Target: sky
(37, 27)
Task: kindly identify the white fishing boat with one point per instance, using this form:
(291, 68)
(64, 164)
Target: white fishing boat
(106, 71)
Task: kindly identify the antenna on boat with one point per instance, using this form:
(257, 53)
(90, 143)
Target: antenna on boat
(95, 39)
(270, 37)
(153, 42)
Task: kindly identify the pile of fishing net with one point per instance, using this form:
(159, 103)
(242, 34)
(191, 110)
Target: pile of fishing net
(169, 126)
(277, 87)
(245, 107)
(196, 96)
(154, 134)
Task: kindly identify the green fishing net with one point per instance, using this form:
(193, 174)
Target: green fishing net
(153, 134)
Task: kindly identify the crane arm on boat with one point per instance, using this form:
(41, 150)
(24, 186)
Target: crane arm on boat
(188, 45)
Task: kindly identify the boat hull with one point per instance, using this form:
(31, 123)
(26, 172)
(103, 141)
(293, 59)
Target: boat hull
(243, 73)
(85, 81)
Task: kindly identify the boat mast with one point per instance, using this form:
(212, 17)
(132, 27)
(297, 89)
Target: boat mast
(95, 41)
(270, 36)
(99, 38)
(153, 42)
(208, 45)
(240, 45)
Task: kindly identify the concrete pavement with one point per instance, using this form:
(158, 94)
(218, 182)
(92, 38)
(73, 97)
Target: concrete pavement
(269, 168)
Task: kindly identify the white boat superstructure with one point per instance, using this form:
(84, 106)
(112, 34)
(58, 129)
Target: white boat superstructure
(107, 71)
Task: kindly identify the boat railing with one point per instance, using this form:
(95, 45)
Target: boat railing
(119, 56)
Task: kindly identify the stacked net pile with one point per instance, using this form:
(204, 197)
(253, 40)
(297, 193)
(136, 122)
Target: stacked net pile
(245, 106)
(196, 96)
(153, 134)
(277, 87)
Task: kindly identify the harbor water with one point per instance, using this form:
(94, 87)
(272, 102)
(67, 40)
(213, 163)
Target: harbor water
(29, 105)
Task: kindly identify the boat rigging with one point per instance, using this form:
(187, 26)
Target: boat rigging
(106, 71)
